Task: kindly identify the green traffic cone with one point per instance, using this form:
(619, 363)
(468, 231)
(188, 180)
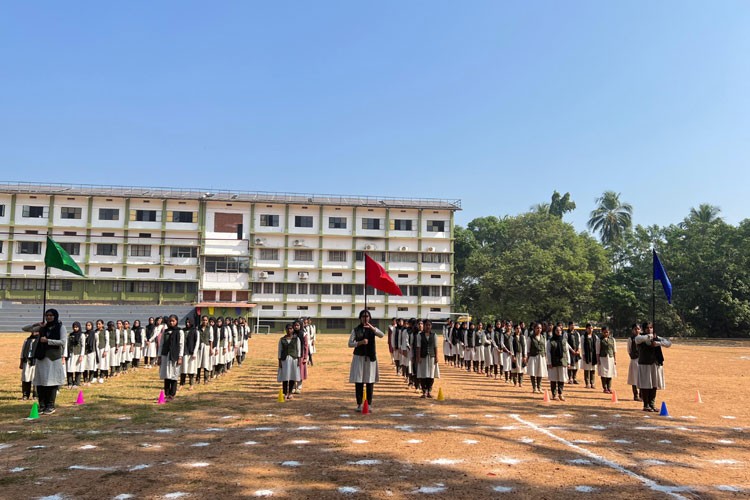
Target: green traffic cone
(34, 411)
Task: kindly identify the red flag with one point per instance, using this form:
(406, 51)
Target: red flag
(376, 277)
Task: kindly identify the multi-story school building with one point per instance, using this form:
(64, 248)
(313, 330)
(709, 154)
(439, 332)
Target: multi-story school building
(277, 255)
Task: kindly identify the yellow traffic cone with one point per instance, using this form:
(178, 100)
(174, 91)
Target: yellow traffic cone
(440, 397)
(281, 396)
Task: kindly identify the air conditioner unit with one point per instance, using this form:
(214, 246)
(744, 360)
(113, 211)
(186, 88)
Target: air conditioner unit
(260, 241)
(299, 243)
(303, 275)
(430, 249)
(263, 275)
(403, 249)
(369, 247)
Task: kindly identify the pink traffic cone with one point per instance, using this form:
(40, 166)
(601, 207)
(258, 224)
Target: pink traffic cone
(80, 400)
(161, 400)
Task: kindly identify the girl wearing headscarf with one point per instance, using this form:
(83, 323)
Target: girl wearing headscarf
(606, 351)
(75, 355)
(102, 339)
(650, 365)
(289, 352)
(519, 353)
(297, 325)
(170, 359)
(49, 373)
(589, 359)
(489, 350)
(635, 330)
(138, 341)
(126, 340)
(190, 360)
(537, 358)
(149, 352)
(363, 371)
(558, 359)
(205, 348)
(427, 356)
(28, 365)
(114, 347)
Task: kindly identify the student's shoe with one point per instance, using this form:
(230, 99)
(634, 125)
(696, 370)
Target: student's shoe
(554, 397)
(423, 395)
(561, 397)
(50, 411)
(359, 408)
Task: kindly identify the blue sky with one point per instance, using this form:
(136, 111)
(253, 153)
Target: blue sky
(497, 103)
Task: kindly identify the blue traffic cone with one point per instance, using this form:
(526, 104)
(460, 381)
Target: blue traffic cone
(663, 412)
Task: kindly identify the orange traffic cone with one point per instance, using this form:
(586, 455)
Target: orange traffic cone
(546, 396)
(698, 398)
(614, 396)
(365, 408)
(80, 401)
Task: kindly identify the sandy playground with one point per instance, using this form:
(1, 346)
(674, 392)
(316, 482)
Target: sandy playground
(232, 438)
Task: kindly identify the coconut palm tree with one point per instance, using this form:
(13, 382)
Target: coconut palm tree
(705, 213)
(611, 218)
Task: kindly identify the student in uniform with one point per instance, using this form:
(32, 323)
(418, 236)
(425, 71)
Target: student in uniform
(519, 356)
(74, 353)
(28, 365)
(149, 353)
(391, 334)
(447, 341)
(574, 342)
(363, 372)
(91, 350)
(126, 336)
(394, 343)
(650, 365)
(114, 347)
(138, 342)
(537, 358)
(405, 349)
(220, 347)
(589, 359)
(497, 353)
(289, 352)
(635, 330)
(479, 348)
(102, 344)
(190, 358)
(205, 348)
(606, 351)
(49, 373)
(245, 339)
(172, 348)
(505, 347)
(489, 350)
(427, 359)
(558, 359)
(297, 325)
(469, 353)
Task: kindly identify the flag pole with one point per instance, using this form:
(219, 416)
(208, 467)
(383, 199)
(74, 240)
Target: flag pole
(365, 259)
(44, 299)
(653, 288)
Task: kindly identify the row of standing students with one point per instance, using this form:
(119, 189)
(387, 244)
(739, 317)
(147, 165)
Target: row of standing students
(414, 349)
(50, 356)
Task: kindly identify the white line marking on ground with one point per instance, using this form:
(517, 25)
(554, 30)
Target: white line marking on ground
(502, 489)
(139, 467)
(609, 463)
(348, 490)
(263, 493)
(445, 461)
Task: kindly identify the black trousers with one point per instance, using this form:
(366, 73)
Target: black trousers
(47, 395)
(359, 392)
(170, 387)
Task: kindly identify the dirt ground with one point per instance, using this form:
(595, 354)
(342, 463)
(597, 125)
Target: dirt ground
(486, 440)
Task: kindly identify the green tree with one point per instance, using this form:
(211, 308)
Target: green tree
(560, 205)
(611, 218)
(704, 214)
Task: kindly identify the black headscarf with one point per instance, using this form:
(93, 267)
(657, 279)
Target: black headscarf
(90, 341)
(75, 336)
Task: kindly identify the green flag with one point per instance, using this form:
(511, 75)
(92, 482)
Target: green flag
(58, 258)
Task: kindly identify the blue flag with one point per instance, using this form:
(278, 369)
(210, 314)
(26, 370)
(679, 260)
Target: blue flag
(661, 275)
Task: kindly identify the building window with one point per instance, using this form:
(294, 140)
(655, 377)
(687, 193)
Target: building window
(71, 248)
(70, 212)
(140, 250)
(402, 225)
(191, 287)
(436, 226)
(226, 222)
(2, 210)
(144, 235)
(337, 222)
(106, 249)
(337, 275)
(302, 288)
(402, 257)
(336, 255)
(143, 270)
(108, 235)
(303, 221)
(268, 254)
(403, 309)
(337, 323)
(145, 216)
(180, 271)
(184, 252)
(337, 308)
(227, 264)
(106, 269)
(184, 217)
(403, 275)
(377, 256)
(436, 258)
(1, 246)
(435, 276)
(302, 308)
(34, 212)
(167, 287)
(368, 223)
(303, 255)
(29, 268)
(30, 247)
(435, 309)
(268, 220)
(70, 233)
(109, 214)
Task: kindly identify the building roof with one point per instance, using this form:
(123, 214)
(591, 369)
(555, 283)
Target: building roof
(226, 195)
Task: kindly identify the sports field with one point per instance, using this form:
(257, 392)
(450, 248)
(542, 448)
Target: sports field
(486, 440)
